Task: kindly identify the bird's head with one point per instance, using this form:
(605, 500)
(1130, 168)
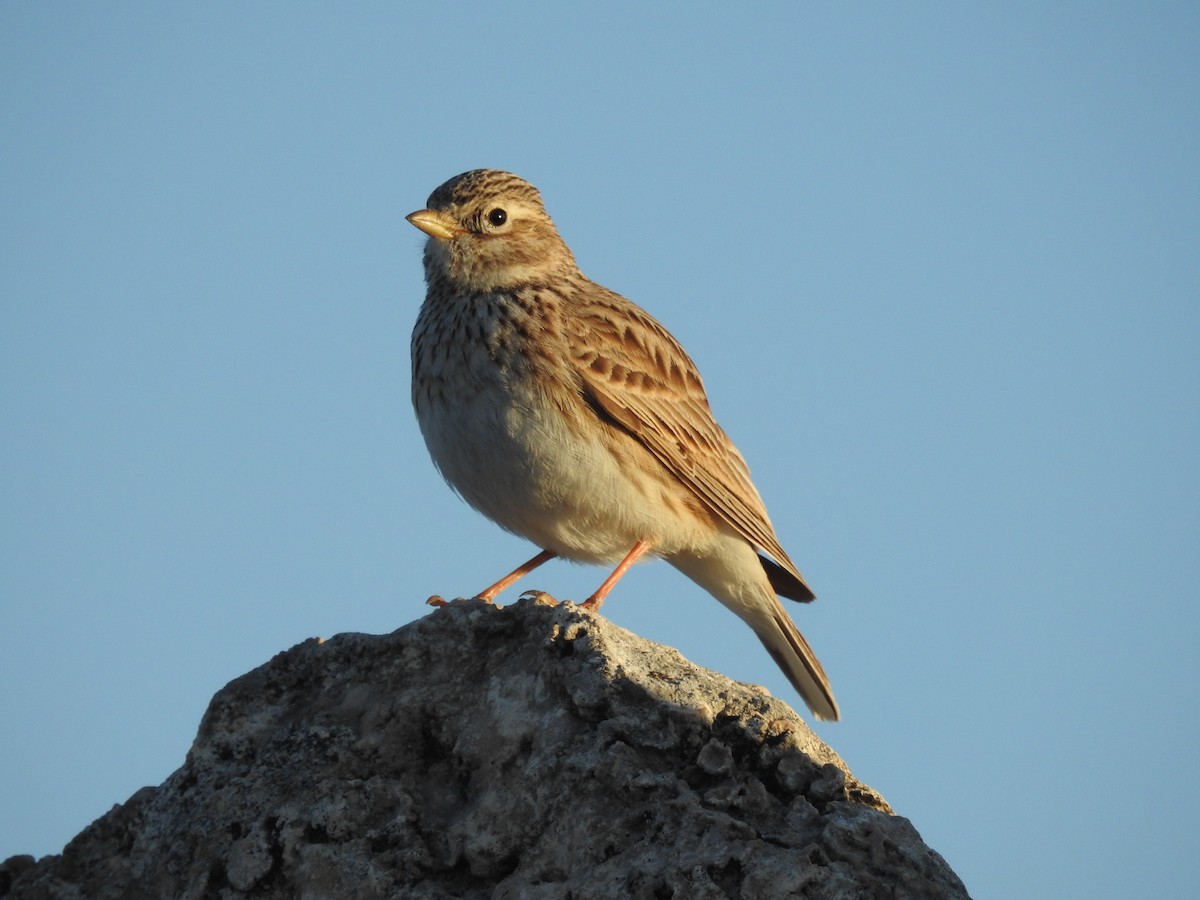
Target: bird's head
(489, 231)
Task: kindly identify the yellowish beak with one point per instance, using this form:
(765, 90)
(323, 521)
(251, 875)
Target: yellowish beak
(434, 224)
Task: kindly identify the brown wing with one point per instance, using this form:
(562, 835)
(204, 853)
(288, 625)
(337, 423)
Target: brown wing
(639, 375)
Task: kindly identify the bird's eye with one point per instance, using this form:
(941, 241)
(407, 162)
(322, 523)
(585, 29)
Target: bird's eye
(497, 217)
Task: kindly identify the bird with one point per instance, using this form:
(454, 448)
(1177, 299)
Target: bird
(569, 416)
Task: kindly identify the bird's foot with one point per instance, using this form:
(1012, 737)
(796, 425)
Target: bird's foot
(539, 597)
(438, 602)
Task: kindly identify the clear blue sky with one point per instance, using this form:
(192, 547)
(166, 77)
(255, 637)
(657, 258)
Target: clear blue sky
(939, 266)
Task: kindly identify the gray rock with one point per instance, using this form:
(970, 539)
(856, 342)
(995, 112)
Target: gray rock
(532, 751)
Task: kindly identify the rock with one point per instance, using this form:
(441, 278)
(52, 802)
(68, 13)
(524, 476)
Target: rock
(533, 751)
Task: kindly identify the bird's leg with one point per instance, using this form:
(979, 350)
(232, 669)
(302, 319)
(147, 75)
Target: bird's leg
(521, 571)
(593, 602)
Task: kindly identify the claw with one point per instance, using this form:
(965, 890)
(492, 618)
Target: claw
(540, 597)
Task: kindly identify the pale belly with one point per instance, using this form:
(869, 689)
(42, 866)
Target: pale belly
(522, 467)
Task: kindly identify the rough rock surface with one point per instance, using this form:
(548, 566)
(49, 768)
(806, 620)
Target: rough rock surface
(533, 751)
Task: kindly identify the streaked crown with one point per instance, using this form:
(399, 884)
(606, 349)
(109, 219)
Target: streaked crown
(481, 185)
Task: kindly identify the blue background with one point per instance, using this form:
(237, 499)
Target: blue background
(939, 265)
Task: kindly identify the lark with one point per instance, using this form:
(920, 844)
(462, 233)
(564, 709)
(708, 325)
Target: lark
(569, 416)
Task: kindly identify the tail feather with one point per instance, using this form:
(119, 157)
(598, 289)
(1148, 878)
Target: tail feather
(792, 654)
(746, 583)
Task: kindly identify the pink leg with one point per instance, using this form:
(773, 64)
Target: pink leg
(490, 594)
(593, 602)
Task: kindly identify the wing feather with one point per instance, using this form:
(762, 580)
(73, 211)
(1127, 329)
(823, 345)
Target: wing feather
(640, 376)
